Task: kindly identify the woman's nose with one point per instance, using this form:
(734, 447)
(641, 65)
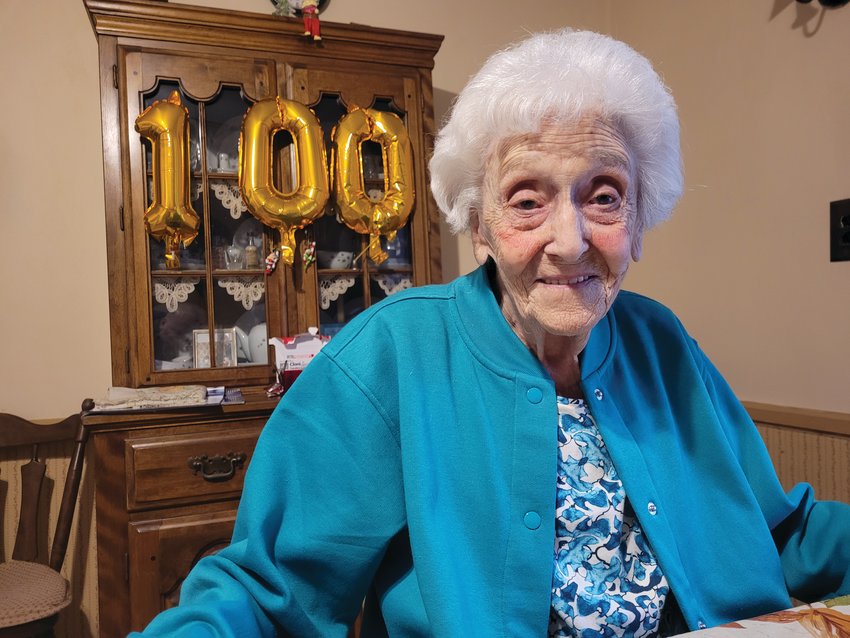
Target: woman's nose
(567, 236)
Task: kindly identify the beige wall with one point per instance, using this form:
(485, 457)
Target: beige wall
(765, 110)
(54, 322)
(744, 262)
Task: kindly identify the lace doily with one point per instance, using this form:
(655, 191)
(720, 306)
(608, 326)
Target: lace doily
(392, 284)
(248, 290)
(230, 197)
(173, 292)
(330, 288)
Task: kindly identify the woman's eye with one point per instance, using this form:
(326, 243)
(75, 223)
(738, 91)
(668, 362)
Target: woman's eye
(525, 199)
(606, 199)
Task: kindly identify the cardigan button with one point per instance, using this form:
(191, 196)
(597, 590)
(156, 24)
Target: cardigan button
(651, 508)
(701, 625)
(534, 395)
(531, 520)
(598, 394)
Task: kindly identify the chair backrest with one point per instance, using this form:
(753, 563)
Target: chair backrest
(16, 432)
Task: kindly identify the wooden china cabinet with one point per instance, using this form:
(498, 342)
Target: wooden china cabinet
(168, 482)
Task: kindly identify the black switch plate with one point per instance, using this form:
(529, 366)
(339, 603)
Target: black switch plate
(839, 230)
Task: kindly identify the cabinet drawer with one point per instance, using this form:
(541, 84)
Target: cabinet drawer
(191, 468)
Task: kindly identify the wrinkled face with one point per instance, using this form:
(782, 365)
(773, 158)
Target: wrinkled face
(558, 219)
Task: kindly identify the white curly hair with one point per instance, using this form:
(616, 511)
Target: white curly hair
(559, 76)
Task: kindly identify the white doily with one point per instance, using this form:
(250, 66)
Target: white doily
(330, 288)
(392, 284)
(248, 290)
(230, 197)
(173, 292)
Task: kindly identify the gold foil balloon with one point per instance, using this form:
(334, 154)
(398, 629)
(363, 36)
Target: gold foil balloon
(286, 212)
(170, 217)
(359, 213)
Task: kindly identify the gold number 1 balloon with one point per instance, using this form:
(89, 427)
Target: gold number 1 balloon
(170, 216)
(285, 211)
(359, 213)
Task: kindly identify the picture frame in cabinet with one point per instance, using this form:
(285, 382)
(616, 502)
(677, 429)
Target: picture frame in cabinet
(225, 348)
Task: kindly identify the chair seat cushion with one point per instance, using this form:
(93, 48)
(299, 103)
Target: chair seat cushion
(30, 591)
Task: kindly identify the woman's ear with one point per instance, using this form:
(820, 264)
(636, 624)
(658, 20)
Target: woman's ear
(637, 246)
(480, 245)
(637, 238)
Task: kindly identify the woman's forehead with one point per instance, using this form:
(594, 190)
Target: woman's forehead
(591, 139)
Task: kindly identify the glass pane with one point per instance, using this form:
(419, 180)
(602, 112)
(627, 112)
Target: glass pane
(237, 236)
(162, 91)
(239, 303)
(223, 117)
(382, 285)
(192, 257)
(283, 160)
(386, 104)
(179, 309)
(330, 109)
(372, 166)
(398, 251)
(336, 244)
(340, 300)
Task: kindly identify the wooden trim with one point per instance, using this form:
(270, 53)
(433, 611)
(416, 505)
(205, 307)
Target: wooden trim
(17, 431)
(202, 25)
(799, 418)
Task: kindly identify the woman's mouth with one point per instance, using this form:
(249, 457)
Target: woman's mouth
(565, 281)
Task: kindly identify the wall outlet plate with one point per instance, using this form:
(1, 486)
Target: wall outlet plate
(839, 230)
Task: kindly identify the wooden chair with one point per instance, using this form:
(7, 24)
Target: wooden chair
(33, 594)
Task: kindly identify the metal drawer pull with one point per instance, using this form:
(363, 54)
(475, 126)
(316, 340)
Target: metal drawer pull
(217, 468)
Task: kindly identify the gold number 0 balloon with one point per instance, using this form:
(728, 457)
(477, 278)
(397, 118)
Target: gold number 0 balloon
(285, 211)
(170, 215)
(358, 212)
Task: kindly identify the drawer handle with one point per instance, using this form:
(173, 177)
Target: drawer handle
(219, 467)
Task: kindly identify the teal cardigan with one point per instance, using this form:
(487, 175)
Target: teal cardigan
(414, 462)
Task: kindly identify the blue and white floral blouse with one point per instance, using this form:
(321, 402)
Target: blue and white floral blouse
(606, 580)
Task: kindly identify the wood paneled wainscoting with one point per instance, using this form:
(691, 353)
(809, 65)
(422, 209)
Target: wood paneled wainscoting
(805, 445)
(811, 446)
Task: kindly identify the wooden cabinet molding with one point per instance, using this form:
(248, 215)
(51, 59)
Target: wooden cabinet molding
(175, 23)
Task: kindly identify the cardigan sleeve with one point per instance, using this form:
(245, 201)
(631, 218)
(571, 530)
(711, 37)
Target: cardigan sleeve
(321, 502)
(812, 537)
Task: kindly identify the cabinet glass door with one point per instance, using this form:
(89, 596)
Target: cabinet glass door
(211, 314)
(220, 282)
(346, 280)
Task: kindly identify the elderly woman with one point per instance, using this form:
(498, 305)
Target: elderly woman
(524, 451)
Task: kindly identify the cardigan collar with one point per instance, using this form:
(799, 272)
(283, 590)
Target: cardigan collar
(486, 331)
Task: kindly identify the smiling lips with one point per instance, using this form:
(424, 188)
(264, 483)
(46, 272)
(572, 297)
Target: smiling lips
(564, 281)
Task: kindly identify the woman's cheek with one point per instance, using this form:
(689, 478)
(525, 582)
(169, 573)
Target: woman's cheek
(614, 243)
(516, 246)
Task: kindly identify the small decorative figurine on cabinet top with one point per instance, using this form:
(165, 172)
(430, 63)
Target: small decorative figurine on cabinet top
(309, 10)
(310, 14)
